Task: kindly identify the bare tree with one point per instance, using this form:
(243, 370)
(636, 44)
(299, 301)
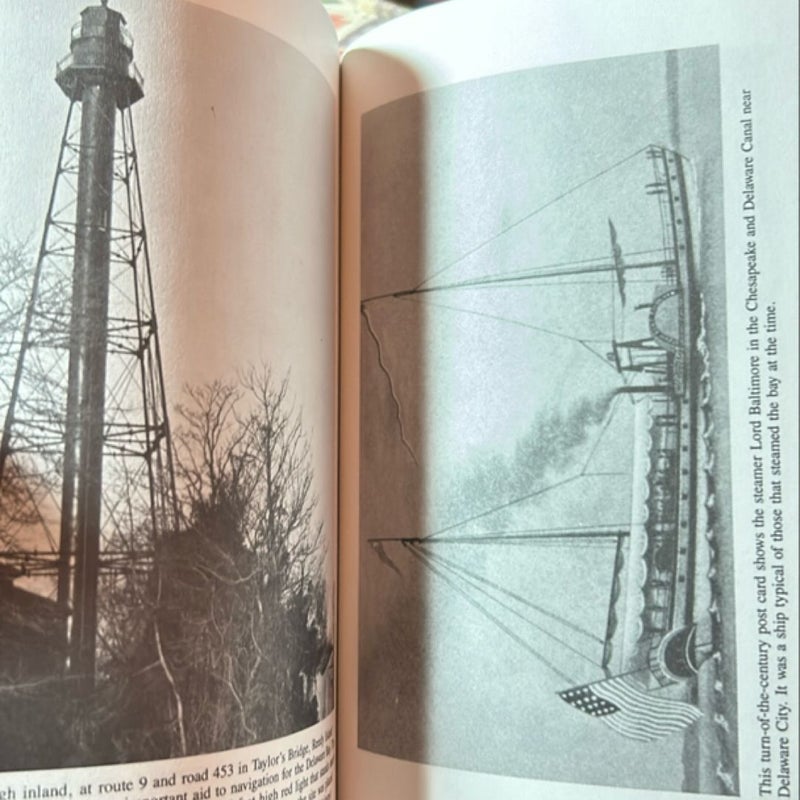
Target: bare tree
(244, 462)
(211, 636)
(15, 275)
(27, 483)
(238, 626)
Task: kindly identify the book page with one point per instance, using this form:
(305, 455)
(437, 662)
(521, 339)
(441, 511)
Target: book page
(569, 403)
(168, 388)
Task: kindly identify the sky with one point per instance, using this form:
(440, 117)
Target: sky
(236, 143)
(235, 138)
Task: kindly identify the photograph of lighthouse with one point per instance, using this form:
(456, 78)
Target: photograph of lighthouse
(166, 460)
(545, 529)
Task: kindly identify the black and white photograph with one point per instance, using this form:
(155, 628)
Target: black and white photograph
(546, 561)
(167, 384)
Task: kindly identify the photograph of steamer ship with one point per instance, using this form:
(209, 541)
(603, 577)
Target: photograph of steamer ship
(545, 522)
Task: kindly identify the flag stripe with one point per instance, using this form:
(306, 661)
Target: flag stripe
(630, 710)
(662, 709)
(626, 728)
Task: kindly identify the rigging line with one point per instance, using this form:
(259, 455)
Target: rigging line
(580, 531)
(604, 427)
(583, 473)
(599, 541)
(498, 280)
(511, 610)
(503, 627)
(578, 545)
(385, 370)
(516, 278)
(496, 317)
(601, 280)
(519, 598)
(600, 265)
(576, 531)
(598, 260)
(596, 264)
(519, 323)
(528, 216)
(495, 509)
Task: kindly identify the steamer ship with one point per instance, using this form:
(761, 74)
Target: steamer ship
(650, 657)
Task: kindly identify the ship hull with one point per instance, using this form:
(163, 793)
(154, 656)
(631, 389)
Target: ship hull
(663, 542)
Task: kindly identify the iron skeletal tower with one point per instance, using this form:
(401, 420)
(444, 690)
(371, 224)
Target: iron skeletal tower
(86, 476)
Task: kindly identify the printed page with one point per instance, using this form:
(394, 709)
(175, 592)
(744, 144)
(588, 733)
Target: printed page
(569, 500)
(168, 399)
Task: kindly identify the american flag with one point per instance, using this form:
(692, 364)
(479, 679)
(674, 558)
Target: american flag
(626, 708)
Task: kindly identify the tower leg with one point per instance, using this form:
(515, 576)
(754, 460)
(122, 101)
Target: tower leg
(92, 252)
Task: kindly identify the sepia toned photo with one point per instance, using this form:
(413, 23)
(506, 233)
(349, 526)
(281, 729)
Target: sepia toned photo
(545, 514)
(166, 462)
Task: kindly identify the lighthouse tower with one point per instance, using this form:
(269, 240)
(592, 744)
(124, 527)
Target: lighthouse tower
(86, 475)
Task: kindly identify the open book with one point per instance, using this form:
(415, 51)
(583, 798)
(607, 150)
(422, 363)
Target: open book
(417, 425)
